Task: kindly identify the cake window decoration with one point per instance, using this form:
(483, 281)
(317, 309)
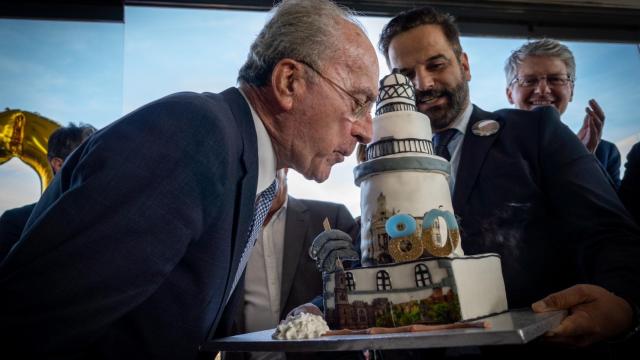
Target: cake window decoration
(383, 281)
(423, 277)
(351, 284)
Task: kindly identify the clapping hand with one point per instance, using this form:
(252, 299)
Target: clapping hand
(595, 314)
(591, 130)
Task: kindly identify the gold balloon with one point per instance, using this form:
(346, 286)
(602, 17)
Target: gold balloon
(25, 135)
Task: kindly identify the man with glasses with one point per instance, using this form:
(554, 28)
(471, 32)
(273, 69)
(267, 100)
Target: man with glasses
(543, 73)
(137, 245)
(527, 189)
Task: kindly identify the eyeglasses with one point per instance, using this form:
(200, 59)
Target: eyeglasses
(533, 81)
(361, 107)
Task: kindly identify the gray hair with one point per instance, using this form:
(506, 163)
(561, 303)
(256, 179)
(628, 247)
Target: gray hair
(545, 47)
(300, 30)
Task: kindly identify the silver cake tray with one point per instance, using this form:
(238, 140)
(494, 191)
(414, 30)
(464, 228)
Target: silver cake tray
(512, 327)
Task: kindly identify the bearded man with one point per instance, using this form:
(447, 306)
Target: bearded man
(525, 187)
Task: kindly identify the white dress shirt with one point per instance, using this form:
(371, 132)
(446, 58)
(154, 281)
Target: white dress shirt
(264, 275)
(263, 280)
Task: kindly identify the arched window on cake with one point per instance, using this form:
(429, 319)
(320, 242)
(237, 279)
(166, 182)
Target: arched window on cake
(383, 280)
(351, 284)
(423, 277)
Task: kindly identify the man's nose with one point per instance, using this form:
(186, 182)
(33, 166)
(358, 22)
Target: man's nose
(423, 79)
(542, 87)
(362, 129)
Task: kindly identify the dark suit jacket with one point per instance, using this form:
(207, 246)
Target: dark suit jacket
(630, 186)
(608, 155)
(12, 223)
(533, 194)
(132, 250)
(301, 280)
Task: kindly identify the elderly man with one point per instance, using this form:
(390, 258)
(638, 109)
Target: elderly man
(543, 73)
(136, 246)
(526, 188)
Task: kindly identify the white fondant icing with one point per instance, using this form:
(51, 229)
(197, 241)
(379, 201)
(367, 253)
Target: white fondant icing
(407, 192)
(480, 287)
(476, 281)
(402, 125)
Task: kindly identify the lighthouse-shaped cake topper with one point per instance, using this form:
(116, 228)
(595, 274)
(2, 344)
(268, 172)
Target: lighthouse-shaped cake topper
(405, 198)
(396, 94)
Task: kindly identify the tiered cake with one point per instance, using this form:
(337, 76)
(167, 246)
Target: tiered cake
(413, 267)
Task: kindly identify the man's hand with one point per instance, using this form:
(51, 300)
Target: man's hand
(330, 246)
(594, 314)
(591, 130)
(308, 308)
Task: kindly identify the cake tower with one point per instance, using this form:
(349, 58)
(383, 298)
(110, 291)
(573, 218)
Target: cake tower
(403, 183)
(413, 267)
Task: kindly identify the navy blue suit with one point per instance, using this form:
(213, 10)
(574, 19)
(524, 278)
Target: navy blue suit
(535, 195)
(608, 155)
(12, 223)
(132, 250)
(630, 187)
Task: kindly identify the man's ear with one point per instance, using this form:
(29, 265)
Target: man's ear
(56, 164)
(509, 95)
(285, 79)
(466, 69)
(571, 96)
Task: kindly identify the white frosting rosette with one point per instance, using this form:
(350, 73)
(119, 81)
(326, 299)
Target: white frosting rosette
(301, 326)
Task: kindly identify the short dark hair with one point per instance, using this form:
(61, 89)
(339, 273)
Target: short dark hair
(410, 19)
(66, 139)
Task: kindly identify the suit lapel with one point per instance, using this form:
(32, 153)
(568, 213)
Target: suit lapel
(246, 193)
(295, 233)
(474, 151)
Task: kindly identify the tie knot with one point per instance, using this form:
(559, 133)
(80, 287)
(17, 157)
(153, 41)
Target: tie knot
(443, 138)
(441, 142)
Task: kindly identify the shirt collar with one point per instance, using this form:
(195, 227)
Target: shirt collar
(283, 208)
(461, 122)
(266, 155)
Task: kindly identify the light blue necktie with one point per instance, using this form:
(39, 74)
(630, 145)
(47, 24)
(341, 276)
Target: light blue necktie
(263, 204)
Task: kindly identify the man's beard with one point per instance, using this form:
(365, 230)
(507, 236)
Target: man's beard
(442, 116)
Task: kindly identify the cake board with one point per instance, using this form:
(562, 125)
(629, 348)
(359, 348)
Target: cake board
(509, 328)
